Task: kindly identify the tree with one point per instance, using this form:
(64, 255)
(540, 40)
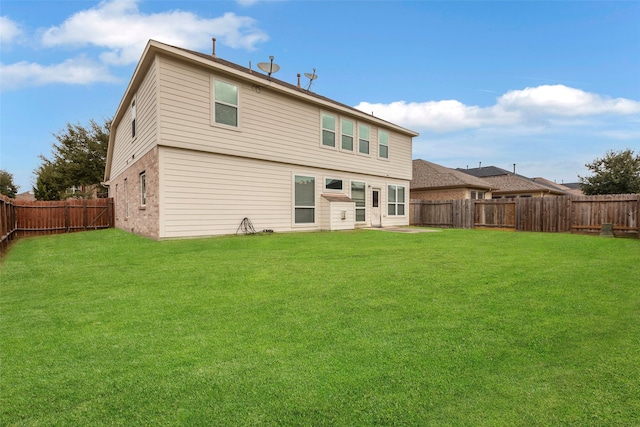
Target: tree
(79, 159)
(7, 186)
(50, 184)
(615, 173)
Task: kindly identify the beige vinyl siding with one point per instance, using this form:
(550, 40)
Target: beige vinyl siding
(272, 126)
(207, 194)
(127, 149)
(203, 194)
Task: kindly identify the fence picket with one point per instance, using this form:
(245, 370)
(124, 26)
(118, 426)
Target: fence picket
(584, 214)
(21, 218)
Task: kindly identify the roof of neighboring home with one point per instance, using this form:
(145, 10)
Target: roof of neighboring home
(573, 185)
(503, 181)
(431, 175)
(27, 196)
(484, 171)
(554, 185)
(511, 183)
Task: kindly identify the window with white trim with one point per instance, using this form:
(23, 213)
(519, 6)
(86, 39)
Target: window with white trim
(395, 200)
(328, 130)
(126, 198)
(477, 195)
(143, 188)
(347, 135)
(358, 195)
(304, 199)
(363, 139)
(383, 144)
(225, 105)
(332, 184)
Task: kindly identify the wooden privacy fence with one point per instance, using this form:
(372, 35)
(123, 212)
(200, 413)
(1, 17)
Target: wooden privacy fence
(546, 214)
(24, 218)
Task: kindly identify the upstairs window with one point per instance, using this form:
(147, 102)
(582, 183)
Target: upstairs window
(133, 119)
(347, 135)
(395, 202)
(328, 130)
(226, 103)
(363, 139)
(383, 144)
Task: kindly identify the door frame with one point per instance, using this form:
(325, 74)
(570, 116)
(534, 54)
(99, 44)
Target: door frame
(376, 211)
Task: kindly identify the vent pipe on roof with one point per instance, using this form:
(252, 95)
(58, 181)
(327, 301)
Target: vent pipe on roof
(298, 80)
(514, 168)
(213, 47)
(479, 165)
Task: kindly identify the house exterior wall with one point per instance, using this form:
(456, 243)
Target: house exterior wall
(447, 194)
(514, 194)
(131, 214)
(202, 179)
(127, 149)
(272, 126)
(204, 194)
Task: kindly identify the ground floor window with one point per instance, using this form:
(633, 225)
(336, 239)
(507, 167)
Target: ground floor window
(305, 199)
(126, 199)
(477, 195)
(358, 195)
(395, 200)
(143, 189)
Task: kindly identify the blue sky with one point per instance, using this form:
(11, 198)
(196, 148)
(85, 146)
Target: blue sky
(548, 86)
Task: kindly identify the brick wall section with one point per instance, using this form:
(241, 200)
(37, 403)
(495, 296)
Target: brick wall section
(143, 220)
(448, 194)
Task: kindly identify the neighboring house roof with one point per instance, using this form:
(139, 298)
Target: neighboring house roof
(511, 183)
(567, 188)
(26, 196)
(485, 171)
(502, 181)
(427, 175)
(574, 188)
(238, 72)
(573, 185)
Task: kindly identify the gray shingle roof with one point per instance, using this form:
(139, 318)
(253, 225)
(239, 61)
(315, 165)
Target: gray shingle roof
(431, 175)
(485, 171)
(517, 184)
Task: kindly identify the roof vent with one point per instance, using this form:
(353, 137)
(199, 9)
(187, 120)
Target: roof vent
(213, 47)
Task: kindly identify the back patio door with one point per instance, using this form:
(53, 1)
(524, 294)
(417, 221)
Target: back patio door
(376, 214)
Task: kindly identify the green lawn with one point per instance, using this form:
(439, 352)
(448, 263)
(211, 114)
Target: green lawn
(459, 327)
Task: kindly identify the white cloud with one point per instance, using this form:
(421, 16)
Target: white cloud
(9, 31)
(72, 71)
(120, 27)
(533, 108)
(565, 101)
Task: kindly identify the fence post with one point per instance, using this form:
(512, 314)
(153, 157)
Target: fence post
(84, 214)
(67, 217)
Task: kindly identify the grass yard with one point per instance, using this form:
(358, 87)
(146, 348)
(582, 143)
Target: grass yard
(459, 327)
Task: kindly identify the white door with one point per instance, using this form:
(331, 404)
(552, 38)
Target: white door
(376, 217)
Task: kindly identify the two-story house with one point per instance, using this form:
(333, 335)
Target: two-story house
(198, 144)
